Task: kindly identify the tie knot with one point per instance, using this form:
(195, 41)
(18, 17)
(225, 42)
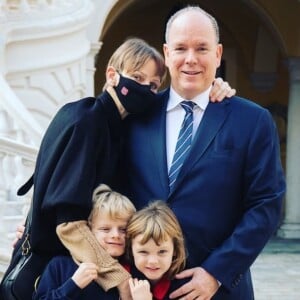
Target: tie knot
(188, 106)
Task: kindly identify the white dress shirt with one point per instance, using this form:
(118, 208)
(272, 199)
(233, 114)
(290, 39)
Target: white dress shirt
(175, 116)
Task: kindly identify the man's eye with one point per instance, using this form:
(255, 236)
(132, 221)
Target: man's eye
(202, 49)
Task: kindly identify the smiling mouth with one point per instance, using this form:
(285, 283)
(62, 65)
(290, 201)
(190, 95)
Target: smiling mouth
(115, 244)
(152, 269)
(191, 72)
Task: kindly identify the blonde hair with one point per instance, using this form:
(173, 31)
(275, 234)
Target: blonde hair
(133, 54)
(114, 204)
(158, 222)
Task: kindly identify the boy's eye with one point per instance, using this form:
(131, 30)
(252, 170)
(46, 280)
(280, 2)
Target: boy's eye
(122, 230)
(104, 229)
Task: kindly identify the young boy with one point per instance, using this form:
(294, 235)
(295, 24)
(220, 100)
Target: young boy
(63, 279)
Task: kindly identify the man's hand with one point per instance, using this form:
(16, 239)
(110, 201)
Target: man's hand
(202, 286)
(140, 289)
(124, 291)
(85, 274)
(220, 90)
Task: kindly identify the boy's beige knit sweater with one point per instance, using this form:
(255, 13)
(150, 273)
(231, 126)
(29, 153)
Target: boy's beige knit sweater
(83, 246)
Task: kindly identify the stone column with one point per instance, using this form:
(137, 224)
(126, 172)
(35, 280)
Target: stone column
(291, 223)
(95, 47)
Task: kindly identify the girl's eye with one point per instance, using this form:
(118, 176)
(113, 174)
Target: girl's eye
(122, 230)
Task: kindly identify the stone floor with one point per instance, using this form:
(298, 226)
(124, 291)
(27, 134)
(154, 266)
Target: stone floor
(276, 272)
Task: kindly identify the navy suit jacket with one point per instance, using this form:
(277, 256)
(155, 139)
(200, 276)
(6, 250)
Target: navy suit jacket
(229, 192)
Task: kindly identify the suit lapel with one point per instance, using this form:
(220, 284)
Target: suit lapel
(212, 121)
(157, 142)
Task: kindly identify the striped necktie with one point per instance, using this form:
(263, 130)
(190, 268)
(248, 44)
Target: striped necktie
(184, 142)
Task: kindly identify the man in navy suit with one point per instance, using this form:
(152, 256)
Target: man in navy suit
(228, 193)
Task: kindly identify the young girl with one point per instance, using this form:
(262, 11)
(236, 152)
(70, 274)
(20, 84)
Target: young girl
(156, 247)
(63, 279)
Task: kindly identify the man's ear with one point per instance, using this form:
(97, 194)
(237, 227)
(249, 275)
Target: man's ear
(111, 76)
(166, 53)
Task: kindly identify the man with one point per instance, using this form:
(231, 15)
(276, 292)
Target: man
(228, 192)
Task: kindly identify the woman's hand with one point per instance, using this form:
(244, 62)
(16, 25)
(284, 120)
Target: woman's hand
(220, 90)
(19, 234)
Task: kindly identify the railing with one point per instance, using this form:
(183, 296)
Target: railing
(16, 166)
(20, 136)
(22, 122)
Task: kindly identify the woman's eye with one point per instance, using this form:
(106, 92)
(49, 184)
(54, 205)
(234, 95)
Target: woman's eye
(153, 86)
(137, 77)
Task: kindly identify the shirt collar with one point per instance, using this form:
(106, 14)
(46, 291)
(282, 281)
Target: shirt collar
(201, 100)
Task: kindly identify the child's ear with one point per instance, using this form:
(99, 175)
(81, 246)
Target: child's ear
(112, 76)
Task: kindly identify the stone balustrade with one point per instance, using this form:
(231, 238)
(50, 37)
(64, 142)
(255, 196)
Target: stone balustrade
(21, 9)
(16, 166)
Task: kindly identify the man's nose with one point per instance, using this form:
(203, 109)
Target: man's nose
(191, 56)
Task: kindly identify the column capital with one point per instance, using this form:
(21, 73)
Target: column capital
(293, 65)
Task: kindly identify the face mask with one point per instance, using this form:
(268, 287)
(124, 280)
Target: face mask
(136, 98)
